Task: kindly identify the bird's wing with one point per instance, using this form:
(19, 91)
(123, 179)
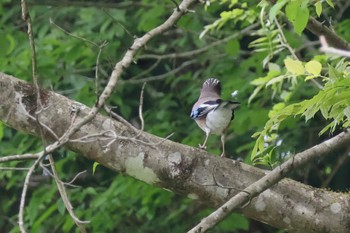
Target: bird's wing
(229, 104)
(205, 108)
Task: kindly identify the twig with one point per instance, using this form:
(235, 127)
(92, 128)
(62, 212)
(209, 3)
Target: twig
(177, 5)
(340, 162)
(24, 192)
(75, 177)
(100, 48)
(119, 118)
(120, 24)
(143, 73)
(272, 178)
(140, 109)
(162, 76)
(72, 35)
(26, 17)
(15, 168)
(96, 4)
(18, 157)
(201, 50)
(26, 113)
(284, 41)
(64, 196)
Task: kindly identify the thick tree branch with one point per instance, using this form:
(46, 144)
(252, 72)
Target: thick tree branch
(272, 178)
(185, 170)
(333, 39)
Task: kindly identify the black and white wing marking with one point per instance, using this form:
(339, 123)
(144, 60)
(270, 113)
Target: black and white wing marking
(205, 108)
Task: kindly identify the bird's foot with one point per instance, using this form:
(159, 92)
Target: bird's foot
(204, 147)
(223, 155)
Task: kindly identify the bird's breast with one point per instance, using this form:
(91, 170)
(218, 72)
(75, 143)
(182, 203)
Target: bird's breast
(218, 120)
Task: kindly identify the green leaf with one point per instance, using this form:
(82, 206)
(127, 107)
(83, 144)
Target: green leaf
(151, 18)
(278, 79)
(330, 3)
(347, 112)
(318, 7)
(232, 47)
(294, 66)
(313, 67)
(94, 167)
(298, 14)
(276, 8)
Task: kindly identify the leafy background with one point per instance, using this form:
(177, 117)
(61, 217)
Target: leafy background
(292, 97)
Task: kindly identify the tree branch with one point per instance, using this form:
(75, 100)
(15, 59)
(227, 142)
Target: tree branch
(272, 178)
(333, 39)
(18, 157)
(185, 170)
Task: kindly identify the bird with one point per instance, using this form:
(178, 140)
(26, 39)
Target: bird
(212, 114)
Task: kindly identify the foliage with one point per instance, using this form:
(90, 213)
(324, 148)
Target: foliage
(291, 96)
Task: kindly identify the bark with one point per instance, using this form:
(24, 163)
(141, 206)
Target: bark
(332, 38)
(182, 169)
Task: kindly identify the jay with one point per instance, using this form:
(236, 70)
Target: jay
(212, 114)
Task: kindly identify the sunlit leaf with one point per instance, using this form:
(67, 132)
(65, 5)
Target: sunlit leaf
(94, 167)
(330, 3)
(294, 66)
(313, 67)
(318, 7)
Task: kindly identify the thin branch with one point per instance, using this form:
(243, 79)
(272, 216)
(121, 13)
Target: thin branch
(26, 17)
(271, 178)
(64, 196)
(18, 157)
(96, 4)
(119, 23)
(143, 73)
(284, 41)
(177, 5)
(100, 48)
(74, 36)
(119, 118)
(140, 109)
(75, 177)
(162, 76)
(192, 53)
(24, 192)
(340, 162)
(14, 168)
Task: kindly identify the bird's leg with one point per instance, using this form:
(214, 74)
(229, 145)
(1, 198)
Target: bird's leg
(223, 145)
(203, 146)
